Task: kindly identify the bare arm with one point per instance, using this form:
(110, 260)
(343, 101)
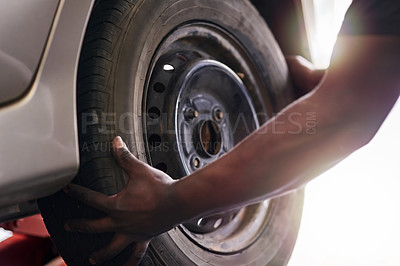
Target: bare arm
(349, 105)
(304, 75)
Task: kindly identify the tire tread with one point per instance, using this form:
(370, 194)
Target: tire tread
(98, 168)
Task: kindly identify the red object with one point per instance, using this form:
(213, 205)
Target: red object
(22, 250)
(32, 226)
(30, 244)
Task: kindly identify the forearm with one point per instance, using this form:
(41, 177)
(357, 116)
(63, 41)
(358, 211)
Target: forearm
(285, 153)
(282, 155)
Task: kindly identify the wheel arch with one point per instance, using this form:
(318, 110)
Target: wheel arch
(43, 122)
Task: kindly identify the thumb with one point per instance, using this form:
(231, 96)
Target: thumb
(123, 156)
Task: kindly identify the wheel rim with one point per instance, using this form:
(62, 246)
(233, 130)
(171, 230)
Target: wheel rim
(197, 108)
(213, 113)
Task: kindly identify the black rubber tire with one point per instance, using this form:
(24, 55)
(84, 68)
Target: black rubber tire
(117, 50)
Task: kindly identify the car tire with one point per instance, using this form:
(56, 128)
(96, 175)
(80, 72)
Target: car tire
(137, 60)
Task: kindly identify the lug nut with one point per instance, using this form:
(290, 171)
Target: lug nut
(218, 114)
(190, 114)
(196, 162)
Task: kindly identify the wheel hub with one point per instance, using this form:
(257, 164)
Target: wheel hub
(222, 108)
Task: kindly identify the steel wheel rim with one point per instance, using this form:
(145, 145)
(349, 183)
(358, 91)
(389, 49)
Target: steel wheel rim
(170, 103)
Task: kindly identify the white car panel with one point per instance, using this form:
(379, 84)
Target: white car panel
(24, 27)
(38, 136)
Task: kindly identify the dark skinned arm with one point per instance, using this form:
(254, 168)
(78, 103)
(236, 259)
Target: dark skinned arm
(348, 106)
(303, 73)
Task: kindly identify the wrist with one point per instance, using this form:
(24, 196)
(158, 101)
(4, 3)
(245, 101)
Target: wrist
(171, 210)
(177, 203)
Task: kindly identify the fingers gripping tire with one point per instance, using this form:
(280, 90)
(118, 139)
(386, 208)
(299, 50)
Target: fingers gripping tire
(124, 87)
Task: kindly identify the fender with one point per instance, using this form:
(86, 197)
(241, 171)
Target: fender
(38, 137)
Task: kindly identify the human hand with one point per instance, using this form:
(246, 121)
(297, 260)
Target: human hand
(305, 77)
(139, 212)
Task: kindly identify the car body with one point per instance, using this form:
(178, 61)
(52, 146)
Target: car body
(39, 52)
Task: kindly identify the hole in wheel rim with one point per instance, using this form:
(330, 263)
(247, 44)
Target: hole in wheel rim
(159, 87)
(154, 113)
(162, 167)
(210, 138)
(155, 141)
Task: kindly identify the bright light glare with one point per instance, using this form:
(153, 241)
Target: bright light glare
(351, 213)
(5, 234)
(323, 19)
